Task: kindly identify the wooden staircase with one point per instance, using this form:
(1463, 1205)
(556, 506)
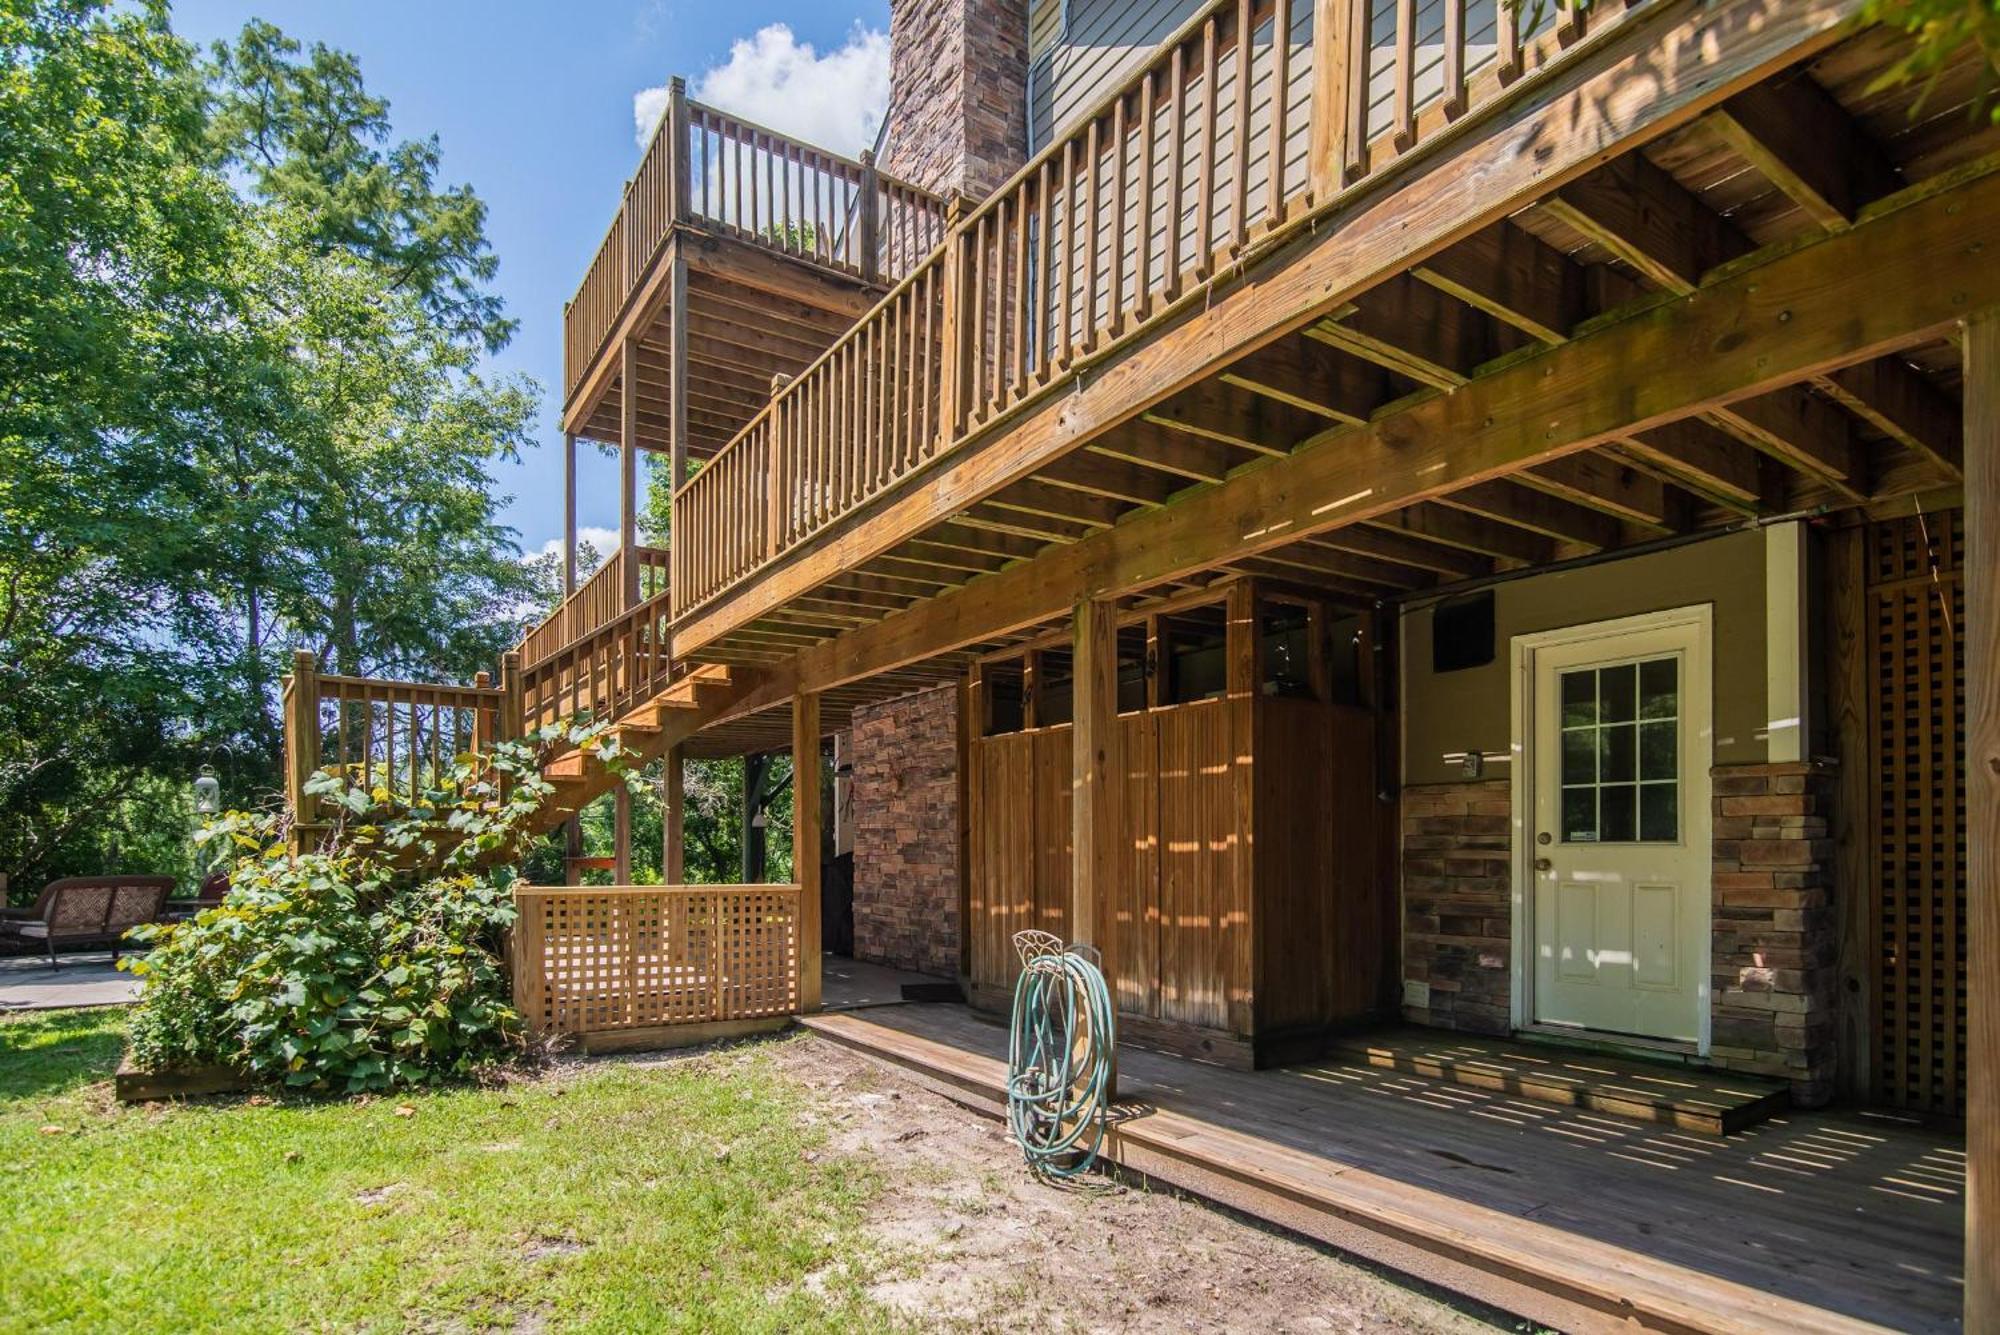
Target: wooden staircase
(705, 694)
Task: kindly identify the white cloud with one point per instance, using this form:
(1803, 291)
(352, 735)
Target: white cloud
(605, 540)
(835, 100)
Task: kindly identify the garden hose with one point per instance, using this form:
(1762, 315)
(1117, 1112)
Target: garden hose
(1059, 1056)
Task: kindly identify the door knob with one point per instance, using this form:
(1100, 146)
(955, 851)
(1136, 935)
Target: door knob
(1543, 864)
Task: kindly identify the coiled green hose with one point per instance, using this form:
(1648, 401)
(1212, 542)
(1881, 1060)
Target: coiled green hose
(1059, 1056)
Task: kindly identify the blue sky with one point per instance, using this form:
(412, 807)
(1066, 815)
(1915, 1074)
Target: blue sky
(533, 105)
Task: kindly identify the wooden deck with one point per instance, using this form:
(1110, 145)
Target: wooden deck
(1683, 1097)
(1809, 1222)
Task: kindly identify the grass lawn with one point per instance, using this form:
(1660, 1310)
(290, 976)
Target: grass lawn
(613, 1196)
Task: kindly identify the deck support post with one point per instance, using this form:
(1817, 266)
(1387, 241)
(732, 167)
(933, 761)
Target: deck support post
(302, 742)
(1982, 808)
(1098, 769)
(677, 355)
(621, 834)
(805, 842)
(673, 796)
(628, 470)
(569, 518)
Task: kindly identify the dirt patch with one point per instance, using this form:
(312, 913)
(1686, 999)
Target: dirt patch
(968, 1239)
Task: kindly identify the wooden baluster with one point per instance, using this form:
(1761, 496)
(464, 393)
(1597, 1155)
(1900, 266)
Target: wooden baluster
(1177, 109)
(1454, 55)
(1239, 185)
(1116, 300)
(1044, 274)
(1281, 89)
(1092, 230)
(870, 222)
(1017, 380)
(1405, 120)
(1204, 234)
(1142, 241)
(976, 396)
(1067, 330)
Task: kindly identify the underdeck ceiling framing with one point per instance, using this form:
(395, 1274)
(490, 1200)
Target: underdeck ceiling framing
(1796, 158)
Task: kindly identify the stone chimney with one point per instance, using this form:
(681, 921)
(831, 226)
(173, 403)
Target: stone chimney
(958, 93)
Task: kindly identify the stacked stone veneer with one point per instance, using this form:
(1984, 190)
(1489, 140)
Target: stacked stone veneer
(958, 93)
(1457, 918)
(906, 889)
(1776, 939)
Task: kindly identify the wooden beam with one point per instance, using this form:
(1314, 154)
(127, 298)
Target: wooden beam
(1467, 532)
(1899, 277)
(1411, 329)
(673, 802)
(1509, 502)
(805, 842)
(1803, 142)
(1896, 400)
(1644, 81)
(1802, 430)
(628, 492)
(1312, 376)
(677, 424)
(1646, 218)
(1098, 768)
(1514, 277)
(1982, 808)
(1704, 458)
(1610, 486)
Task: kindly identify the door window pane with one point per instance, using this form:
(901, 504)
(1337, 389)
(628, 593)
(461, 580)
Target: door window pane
(1619, 776)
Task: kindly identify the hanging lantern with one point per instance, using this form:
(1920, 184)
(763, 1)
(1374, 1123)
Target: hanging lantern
(207, 792)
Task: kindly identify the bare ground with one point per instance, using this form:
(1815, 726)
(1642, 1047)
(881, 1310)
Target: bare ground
(968, 1239)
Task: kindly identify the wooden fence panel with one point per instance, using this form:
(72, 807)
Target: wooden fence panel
(1201, 905)
(1916, 823)
(601, 959)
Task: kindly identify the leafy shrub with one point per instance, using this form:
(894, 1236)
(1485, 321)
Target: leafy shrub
(371, 961)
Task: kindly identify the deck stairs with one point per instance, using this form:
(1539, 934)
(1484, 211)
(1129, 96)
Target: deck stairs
(693, 701)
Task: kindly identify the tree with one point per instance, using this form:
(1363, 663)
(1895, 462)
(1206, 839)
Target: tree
(241, 331)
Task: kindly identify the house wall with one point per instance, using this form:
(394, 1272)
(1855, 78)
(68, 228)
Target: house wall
(905, 824)
(1774, 937)
(1450, 712)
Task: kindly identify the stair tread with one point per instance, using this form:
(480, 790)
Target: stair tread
(1689, 1096)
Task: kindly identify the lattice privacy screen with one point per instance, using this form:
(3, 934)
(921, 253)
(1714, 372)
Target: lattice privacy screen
(593, 958)
(1915, 614)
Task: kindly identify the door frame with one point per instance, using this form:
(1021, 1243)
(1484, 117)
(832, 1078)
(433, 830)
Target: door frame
(1699, 824)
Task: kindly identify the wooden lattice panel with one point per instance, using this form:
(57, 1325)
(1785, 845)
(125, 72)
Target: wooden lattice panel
(1916, 614)
(588, 959)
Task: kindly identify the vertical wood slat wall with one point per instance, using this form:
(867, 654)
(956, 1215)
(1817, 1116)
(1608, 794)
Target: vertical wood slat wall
(1915, 825)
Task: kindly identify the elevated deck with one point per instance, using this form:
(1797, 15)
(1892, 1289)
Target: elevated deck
(1818, 1221)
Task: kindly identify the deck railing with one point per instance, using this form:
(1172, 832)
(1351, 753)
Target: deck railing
(605, 959)
(1251, 116)
(596, 602)
(400, 735)
(707, 168)
(605, 672)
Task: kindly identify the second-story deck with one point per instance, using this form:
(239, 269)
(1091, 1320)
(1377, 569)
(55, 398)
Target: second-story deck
(736, 255)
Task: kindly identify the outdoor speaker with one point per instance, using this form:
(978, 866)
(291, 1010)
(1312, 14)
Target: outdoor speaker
(1462, 632)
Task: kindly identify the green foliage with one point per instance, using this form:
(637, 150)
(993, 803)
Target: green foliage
(241, 332)
(1939, 30)
(370, 961)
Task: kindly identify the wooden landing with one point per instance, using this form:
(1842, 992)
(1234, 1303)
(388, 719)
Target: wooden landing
(1565, 1216)
(1682, 1097)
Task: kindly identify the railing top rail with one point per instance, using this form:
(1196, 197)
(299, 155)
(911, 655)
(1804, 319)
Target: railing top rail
(1077, 125)
(826, 154)
(333, 686)
(544, 890)
(1080, 122)
(796, 384)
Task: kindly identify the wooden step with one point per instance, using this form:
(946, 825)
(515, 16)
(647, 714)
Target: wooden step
(1673, 1094)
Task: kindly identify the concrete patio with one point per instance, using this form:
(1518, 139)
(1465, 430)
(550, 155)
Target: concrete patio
(86, 978)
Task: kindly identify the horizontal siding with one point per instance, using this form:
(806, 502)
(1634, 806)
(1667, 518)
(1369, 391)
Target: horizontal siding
(1106, 42)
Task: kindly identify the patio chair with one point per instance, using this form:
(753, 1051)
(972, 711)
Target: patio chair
(92, 908)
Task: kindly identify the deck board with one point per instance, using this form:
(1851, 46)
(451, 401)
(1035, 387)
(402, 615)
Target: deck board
(1678, 1096)
(1808, 1221)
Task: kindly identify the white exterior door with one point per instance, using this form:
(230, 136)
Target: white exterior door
(1618, 750)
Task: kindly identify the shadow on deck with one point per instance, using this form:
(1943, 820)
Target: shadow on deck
(1810, 1221)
